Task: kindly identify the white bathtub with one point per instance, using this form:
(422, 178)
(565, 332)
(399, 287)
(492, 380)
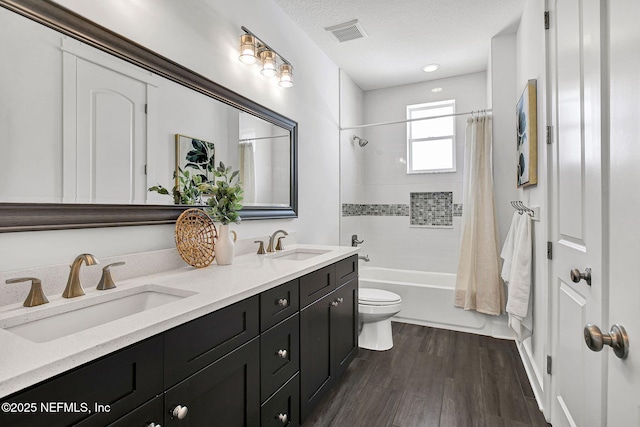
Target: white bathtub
(427, 299)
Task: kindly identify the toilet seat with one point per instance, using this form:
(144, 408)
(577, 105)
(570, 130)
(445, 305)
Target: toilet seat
(377, 297)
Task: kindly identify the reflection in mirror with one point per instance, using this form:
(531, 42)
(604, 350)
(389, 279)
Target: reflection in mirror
(91, 128)
(263, 160)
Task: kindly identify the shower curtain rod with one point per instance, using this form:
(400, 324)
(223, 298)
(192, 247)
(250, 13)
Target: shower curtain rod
(415, 120)
(263, 137)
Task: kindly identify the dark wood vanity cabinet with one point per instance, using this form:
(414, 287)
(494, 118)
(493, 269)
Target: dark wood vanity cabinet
(94, 394)
(264, 361)
(328, 334)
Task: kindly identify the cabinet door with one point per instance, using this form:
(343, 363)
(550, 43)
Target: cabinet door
(344, 325)
(317, 358)
(225, 393)
(95, 394)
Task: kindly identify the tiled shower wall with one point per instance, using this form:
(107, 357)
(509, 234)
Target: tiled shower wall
(425, 209)
(407, 221)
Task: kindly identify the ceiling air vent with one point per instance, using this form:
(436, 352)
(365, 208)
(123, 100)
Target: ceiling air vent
(347, 31)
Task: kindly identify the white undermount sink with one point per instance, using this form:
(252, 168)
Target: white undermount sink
(49, 323)
(298, 254)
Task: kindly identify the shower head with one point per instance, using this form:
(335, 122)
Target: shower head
(361, 141)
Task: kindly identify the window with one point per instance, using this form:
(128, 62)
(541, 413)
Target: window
(431, 143)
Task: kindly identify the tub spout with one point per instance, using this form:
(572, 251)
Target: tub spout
(365, 258)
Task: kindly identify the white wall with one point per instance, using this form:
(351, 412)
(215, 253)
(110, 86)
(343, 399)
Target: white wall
(531, 64)
(389, 240)
(351, 156)
(203, 36)
(504, 97)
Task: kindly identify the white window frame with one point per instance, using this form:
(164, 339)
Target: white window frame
(428, 106)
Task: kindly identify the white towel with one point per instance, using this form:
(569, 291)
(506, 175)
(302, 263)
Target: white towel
(509, 247)
(519, 302)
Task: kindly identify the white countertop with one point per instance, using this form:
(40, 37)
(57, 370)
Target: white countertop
(24, 363)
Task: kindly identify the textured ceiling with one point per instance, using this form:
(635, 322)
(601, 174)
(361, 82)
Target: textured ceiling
(406, 35)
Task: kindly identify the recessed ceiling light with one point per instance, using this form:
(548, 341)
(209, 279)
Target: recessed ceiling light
(436, 89)
(430, 68)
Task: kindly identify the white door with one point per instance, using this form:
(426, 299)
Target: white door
(111, 126)
(576, 207)
(624, 283)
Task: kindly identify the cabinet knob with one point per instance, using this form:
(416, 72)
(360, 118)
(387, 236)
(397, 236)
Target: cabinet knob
(153, 425)
(334, 303)
(340, 300)
(180, 412)
(282, 354)
(283, 418)
(282, 302)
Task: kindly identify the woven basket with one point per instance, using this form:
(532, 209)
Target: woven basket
(195, 237)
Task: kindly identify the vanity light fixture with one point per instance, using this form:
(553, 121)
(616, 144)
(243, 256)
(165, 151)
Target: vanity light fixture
(253, 49)
(247, 49)
(286, 75)
(268, 62)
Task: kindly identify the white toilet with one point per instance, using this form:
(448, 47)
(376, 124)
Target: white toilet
(375, 309)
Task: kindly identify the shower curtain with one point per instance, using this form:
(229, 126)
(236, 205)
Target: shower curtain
(479, 286)
(248, 172)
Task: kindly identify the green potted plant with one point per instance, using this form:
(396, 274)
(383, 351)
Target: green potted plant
(187, 189)
(224, 200)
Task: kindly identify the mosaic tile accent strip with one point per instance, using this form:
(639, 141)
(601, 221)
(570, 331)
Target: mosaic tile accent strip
(437, 207)
(351, 209)
(432, 209)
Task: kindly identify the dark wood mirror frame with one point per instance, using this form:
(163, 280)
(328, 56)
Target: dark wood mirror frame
(56, 216)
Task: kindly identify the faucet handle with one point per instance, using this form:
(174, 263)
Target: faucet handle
(280, 246)
(36, 295)
(261, 250)
(106, 281)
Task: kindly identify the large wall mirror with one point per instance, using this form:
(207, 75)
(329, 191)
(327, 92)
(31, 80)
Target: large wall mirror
(90, 121)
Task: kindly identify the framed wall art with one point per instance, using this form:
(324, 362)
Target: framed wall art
(527, 137)
(196, 156)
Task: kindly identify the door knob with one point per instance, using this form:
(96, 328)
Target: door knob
(576, 275)
(617, 338)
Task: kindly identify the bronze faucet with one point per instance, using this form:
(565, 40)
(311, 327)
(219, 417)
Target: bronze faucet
(74, 288)
(272, 239)
(36, 295)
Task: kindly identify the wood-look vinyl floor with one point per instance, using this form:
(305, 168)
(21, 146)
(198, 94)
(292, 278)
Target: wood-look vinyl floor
(433, 377)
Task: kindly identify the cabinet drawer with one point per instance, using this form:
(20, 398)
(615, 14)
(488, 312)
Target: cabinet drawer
(120, 382)
(277, 304)
(285, 403)
(194, 345)
(279, 355)
(315, 285)
(346, 270)
(225, 393)
(151, 413)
